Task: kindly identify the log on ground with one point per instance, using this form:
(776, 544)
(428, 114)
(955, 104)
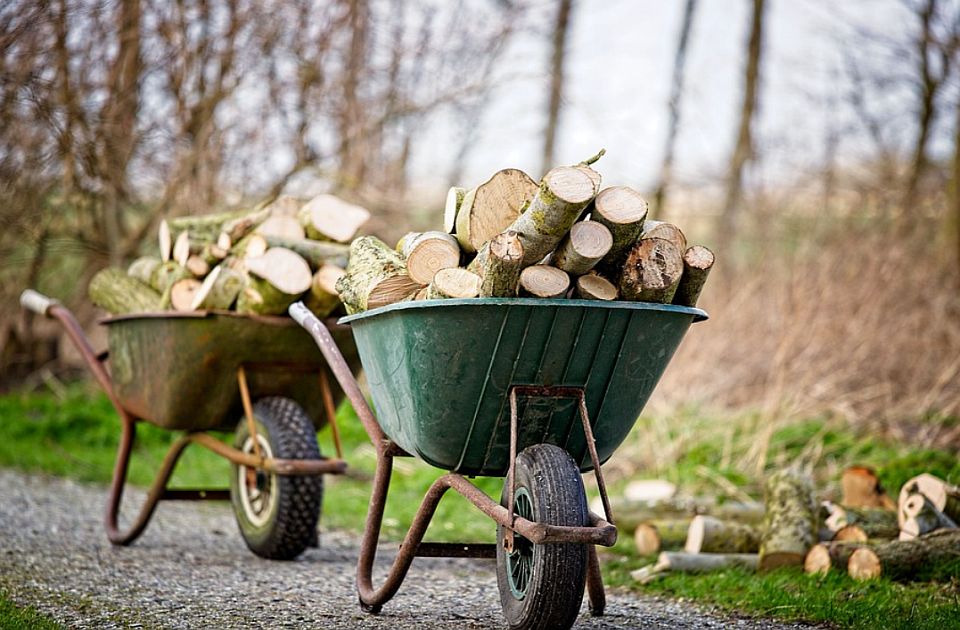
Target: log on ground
(862, 489)
(902, 559)
(790, 524)
(825, 556)
(491, 207)
(117, 293)
(652, 271)
(922, 517)
(708, 534)
(944, 496)
(652, 537)
(875, 522)
(376, 276)
(683, 562)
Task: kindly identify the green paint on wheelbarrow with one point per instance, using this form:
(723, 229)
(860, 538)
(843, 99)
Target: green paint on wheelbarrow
(440, 372)
(179, 370)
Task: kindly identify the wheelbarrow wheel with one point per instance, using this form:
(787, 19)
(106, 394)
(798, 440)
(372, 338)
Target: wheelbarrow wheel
(541, 586)
(277, 514)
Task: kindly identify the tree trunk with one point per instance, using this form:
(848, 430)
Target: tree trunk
(790, 525)
(426, 253)
(823, 557)
(376, 276)
(501, 268)
(557, 56)
(901, 559)
(454, 283)
(219, 290)
(653, 537)
(492, 207)
(117, 293)
(652, 271)
(544, 281)
(595, 287)
(711, 535)
(582, 248)
(277, 280)
(697, 263)
(621, 210)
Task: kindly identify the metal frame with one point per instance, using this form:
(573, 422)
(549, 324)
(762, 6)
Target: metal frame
(601, 531)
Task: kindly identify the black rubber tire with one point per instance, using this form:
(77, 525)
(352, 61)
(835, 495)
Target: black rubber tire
(557, 572)
(290, 524)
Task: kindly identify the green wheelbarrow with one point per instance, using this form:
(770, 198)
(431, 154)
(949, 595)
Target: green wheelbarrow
(534, 391)
(219, 371)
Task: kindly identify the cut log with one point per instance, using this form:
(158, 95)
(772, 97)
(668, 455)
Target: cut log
(323, 298)
(212, 254)
(240, 224)
(142, 268)
(922, 517)
(181, 248)
(544, 281)
(277, 280)
(823, 557)
(286, 206)
(622, 210)
(454, 282)
(652, 271)
(629, 514)
(421, 294)
(582, 248)
(861, 489)
(491, 207)
(666, 231)
(224, 242)
(501, 266)
(587, 168)
(595, 287)
(901, 559)
(250, 246)
(875, 522)
(451, 208)
(376, 276)
(165, 275)
(683, 562)
(707, 534)
(944, 496)
(182, 294)
(650, 490)
(697, 263)
(281, 227)
(790, 524)
(316, 253)
(165, 241)
(426, 253)
(655, 536)
(851, 533)
(197, 266)
(117, 293)
(219, 290)
(329, 218)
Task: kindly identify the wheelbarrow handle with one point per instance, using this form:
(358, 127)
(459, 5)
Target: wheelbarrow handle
(37, 302)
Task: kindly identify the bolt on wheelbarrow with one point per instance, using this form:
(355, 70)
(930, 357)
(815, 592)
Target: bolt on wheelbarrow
(535, 391)
(215, 371)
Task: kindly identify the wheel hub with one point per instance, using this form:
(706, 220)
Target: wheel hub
(257, 488)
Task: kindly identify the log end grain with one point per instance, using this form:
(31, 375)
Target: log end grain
(647, 539)
(595, 287)
(454, 283)
(544, 281)
(864, 564)
(818, 560)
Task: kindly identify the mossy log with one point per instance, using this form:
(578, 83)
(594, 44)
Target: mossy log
(117, 293)
(944, 496)
(902, 559)
(861, 489)
(426, 253)
(790, 524)
(697, 263)
(922, 517)
(621, 210)
(276, 280)
(594, 287)
(453, 282)
(683, 562)
(544, 281)
(825, 556)
(708, 534)
(582, 248)
(652, 271)
(166, 274)
(492, 207)
(451, 208)
(652, 537)
(219, 290)
(316, 253)
(206, 228)
(376, 276)
(500, 272)
(323, 298)
(142, 268)
(329, 218)
(875, 522)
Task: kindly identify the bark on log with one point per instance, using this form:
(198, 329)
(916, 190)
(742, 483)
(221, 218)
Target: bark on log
(323, 298)
(165, 275)
(902, 559)
(451, 208)
(316, 253)
(454, 282)
(501, 269)
(823, 557)
(426, 253)
(683, 562)
(277, 279)
(219, 289)
(182, 294)
(281, 227)
(629, 514)
(544, 281)
(655, 536)
(326, 217)
(875, 522)
(790, 525)
(622, 210)
(944, 496)
(142, 268)
(492, 207)
(376, 276)
(595, 287)
(652, 271)
(582, 248)
(861, 489)
(117, 293)
(666, 231)
(197, 266)
(697, 263)
(707, 534)
(922, 517)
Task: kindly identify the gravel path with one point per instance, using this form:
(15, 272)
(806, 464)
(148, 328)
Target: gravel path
(191, 569)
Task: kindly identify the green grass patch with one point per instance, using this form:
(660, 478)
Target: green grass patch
(13, 617)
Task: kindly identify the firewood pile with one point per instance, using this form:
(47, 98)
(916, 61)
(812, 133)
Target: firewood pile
(867, 535)
(252, 262)
(560, 237)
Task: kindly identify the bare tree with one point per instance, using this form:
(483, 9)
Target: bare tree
(557, 58)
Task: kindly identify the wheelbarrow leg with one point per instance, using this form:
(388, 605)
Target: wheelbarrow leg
(598, 599)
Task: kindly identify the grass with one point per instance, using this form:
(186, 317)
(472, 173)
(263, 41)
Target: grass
(13, 617)
(75, 435)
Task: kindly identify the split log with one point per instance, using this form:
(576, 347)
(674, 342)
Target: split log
(282, 227)
(165, 275)
(790, 524)
(197, 266)
(944, 496)
(621, 210)
(376, 276)
(492, 207)
(823, 557)
(861, 489)
(277, 280)
(654, 536)
(181, 248)
(544, 281)
(182, 294)
(666, 231)
(142, 268)
(652, 271)
(165, 241)
(595, 287)
(874, 522)
(454, 282)
(452, 207)
(250, 246)
(117, 293)
(316, 253)
(563, 194)
(219, 290)
(707, 534)
(323, 298)
(922, 517)
(582, 248)
(329, 218)
(902, 559)
(697, 263)
(683, 562)
(501, 266)
(426, 253)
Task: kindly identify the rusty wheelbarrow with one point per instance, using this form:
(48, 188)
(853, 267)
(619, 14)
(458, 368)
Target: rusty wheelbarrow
(532, 390)
(213, 371)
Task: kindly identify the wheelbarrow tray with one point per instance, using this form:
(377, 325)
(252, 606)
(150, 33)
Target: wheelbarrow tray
(179, 370)
(440, 372)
